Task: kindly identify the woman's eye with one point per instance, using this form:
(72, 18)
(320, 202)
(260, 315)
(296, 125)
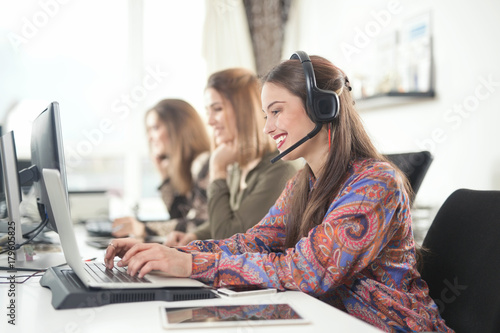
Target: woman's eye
(274, 113)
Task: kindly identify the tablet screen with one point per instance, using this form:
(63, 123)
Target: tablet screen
(230, 315)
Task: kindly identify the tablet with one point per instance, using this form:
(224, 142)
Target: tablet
(230, 315)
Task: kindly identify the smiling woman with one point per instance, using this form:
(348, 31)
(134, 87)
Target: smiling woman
(341, 230)
(220, 116)
(289, 127)
(243, 181)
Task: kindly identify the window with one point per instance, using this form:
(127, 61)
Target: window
(105, 63)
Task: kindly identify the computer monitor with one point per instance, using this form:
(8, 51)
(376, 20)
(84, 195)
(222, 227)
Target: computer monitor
(10, 178)
(46, 153)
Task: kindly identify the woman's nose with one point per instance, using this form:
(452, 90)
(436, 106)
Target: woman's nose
(269, 126)
(211, 119)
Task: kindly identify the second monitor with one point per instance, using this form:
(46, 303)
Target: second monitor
(47, 152)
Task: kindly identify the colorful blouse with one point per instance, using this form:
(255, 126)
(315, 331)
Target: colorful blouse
(360, 259)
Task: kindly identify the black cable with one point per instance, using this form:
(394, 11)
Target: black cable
(43, 216)
(40, 225)
(27, 277)
(43, 225)
(41, 211)
(18, 246)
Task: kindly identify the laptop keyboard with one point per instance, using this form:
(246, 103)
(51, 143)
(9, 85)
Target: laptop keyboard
(100, 273)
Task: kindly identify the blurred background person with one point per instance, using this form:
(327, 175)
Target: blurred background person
(180, 149)
(244, 184)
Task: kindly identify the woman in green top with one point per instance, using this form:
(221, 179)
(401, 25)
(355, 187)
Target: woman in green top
(243, 183)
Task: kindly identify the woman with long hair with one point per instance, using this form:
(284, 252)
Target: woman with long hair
(243, 181)
(180, 149)
(340, 231)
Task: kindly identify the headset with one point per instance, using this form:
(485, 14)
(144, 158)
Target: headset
(322, 106)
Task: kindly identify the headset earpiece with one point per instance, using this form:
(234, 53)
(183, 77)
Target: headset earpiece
(322, 105)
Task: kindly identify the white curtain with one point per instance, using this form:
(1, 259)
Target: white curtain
(302, 30)
(226, 38)
(293, 30)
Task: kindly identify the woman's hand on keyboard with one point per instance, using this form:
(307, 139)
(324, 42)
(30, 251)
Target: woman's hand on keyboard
(143, 258)
(118, 248)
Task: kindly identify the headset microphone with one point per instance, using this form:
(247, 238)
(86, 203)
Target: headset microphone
(310, 135)
(322, 106)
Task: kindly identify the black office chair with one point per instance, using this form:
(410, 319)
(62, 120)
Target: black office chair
(414, 165)
(462, 261)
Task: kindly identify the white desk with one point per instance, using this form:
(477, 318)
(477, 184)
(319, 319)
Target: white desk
(34, 313)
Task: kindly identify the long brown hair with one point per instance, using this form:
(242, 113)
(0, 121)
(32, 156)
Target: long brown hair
(188, 139)
(349, 142)
(241, 88)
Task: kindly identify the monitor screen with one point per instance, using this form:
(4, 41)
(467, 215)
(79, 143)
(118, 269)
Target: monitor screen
(46, 153)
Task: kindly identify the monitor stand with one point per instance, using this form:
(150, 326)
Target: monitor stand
(42, 259)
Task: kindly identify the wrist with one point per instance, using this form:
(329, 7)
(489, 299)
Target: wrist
(141, 230)
(218, 174)
(191, 237)
(189, 264)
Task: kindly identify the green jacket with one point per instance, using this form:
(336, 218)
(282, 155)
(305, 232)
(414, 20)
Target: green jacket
(232, 211)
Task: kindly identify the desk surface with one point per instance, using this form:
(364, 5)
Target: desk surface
(34, 312)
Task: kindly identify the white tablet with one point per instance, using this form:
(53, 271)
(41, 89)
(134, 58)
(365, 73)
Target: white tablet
(230, 315)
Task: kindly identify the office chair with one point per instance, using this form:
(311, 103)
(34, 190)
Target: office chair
(462, 262)
(414, 165)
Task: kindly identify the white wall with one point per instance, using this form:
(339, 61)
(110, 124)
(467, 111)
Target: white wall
(467, 53)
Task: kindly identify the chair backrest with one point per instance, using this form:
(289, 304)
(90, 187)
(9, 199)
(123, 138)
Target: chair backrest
(414, 165)
(462, 262)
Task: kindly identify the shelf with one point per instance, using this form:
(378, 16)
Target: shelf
(393, 98)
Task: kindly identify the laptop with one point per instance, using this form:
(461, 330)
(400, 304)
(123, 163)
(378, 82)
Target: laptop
(94, 274)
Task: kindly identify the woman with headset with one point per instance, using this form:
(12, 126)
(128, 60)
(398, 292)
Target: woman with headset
(341, 229)
(243, 183)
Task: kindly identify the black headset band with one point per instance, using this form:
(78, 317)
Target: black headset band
(308, 70)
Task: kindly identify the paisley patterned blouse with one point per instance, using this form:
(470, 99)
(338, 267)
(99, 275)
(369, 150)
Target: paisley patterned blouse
(360, 259)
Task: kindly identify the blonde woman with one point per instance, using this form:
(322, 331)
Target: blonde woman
(243, 181)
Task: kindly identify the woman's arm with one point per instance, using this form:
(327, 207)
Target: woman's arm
(358, 225)
(266, 236)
